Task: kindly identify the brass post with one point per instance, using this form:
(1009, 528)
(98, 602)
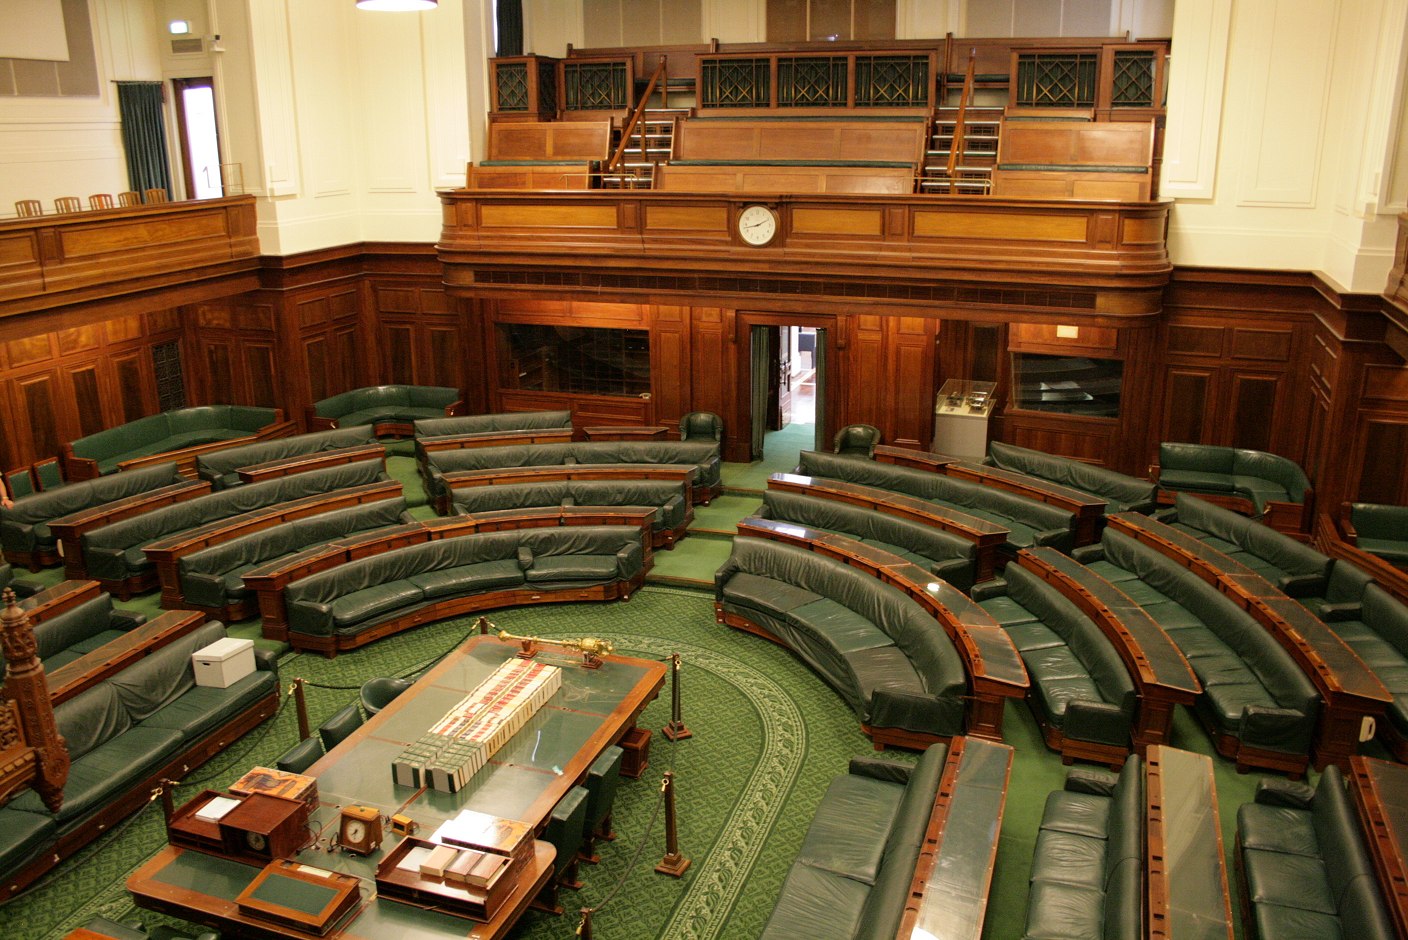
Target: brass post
(584, 929)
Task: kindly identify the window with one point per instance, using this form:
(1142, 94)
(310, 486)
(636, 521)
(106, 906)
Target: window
(574, 359)
(1074, 385)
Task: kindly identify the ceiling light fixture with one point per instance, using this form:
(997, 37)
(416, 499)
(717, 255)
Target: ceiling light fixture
(397, 6)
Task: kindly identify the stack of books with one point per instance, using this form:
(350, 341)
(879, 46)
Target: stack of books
(449, 754)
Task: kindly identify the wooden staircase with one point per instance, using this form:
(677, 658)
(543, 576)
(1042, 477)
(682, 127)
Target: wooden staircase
(970, 171)
(651, 143)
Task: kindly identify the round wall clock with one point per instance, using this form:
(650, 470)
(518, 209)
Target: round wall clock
(757, 225)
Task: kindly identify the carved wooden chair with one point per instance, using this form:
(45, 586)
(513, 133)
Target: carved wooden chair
(101, 201)
(66, 204)
(129, 198)
(29, 207)
(155, 195)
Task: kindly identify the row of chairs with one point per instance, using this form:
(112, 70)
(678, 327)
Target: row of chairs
(29, 208)
(44, 475)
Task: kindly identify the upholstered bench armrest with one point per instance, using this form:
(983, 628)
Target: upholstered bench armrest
(1168, 514)
(1302, 585)
(919, 713)
(959, 569)
(1269, 726)
(995, 587)
(104, 562)
(1056, 538)
(17, 536)
(1277, 791)
(1096, 721)
(630, 559)
(1331, 613)
(1092, 781)
(125, 620)
(266, 660)
(1087, 554)
(877, 768)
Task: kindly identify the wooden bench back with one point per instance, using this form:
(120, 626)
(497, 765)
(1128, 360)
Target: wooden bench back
(806, 141)
(550, 140)
(1075, 160)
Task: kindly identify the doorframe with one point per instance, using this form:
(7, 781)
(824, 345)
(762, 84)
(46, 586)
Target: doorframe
(829, 396)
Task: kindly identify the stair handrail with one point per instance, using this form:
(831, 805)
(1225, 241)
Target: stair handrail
(615, 163)
(955, 145)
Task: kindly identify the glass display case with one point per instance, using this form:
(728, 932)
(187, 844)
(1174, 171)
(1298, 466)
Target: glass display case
(961, 418)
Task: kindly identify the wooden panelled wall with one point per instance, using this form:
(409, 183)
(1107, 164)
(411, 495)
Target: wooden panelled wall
(1270, 361)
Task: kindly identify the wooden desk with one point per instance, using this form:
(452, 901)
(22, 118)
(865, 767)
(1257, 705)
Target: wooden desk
(650, 432)
(1380, 792)
(525, 780)
(1185, 869)
(68, 530)
(113, 657)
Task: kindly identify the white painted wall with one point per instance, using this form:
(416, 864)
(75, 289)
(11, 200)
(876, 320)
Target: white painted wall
(51, 147)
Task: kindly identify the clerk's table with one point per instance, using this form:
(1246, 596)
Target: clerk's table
(548, 756)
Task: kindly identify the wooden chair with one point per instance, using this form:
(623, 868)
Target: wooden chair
(155, 195)
(101, 201)
(29, 207)
(66, 204)
(129, 198)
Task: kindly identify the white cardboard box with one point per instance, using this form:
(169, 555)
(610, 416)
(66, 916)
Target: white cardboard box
(224, 662)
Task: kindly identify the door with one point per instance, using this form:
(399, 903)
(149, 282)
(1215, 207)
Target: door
(200, 138)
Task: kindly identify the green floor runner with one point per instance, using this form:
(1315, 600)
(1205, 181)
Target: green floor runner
(723, 513)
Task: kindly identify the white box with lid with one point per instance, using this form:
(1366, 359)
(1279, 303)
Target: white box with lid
(224, 662)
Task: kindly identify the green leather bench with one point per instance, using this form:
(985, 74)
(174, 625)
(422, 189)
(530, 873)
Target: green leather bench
(363, 600)
(1259, 706)
(146, 723)
(946, 556)
(673, 511)
(178, 435)
(391, 409)
(1087, 877)
(1291, 565)
(1378, 529)
(1081, 694)
(221, 467)
(703, 454)
(24, 526)
(1375, 625)
(1122, 493)
(1028, 522)
(501, 421)
(883, 653)
(1305, 871)
(211, 578)
(113, 554)
(1268, 485)
(852, 876)
(67, 636)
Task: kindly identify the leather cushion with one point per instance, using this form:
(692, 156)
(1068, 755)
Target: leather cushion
(816, 904)
(374, 601)
(1277, 829)
(1063, 912)
(1274, 922)
(202, 709)
(1032, 636)
(468, 579)
(766, 593)
(107, 771)
(1287, 880)
(1068, 858)
(1007, 611)
(1200, 480)
(572, 568)
(844, 630)
(26, 835)
(849, 837)
(1080, 813)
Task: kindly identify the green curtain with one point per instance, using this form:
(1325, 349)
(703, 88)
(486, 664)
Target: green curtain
(508, 21)
(144, 136)
(758, 387)
(822, 444)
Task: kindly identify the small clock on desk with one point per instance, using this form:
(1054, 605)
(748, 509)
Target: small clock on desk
(359, 830)
(757, 225)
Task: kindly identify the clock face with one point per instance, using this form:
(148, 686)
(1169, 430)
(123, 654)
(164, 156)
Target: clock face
(354, 832)
(757, 225)
(256, 841)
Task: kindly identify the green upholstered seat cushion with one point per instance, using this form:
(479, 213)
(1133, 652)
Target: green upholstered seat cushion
(1007, 611)
(109, 769)
(1392, 549)
(1283, 829)
(1198, 480)
(817, 905)
(96, 640)
(1060, 679)
(1057, 911)
(849, 837)
(844, 629)
(1084, 814)
(1112, 573)
(583, 567)
(202, 709)
(1287, 880)
(752, 590)
(24, 836)
(1274, 921)
(373, 601)
(468, 579)
(1031, 636)
(404, 413)
(1069, 858)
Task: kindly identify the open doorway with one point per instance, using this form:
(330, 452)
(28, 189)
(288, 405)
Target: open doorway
(200, 139)
(787, 386)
